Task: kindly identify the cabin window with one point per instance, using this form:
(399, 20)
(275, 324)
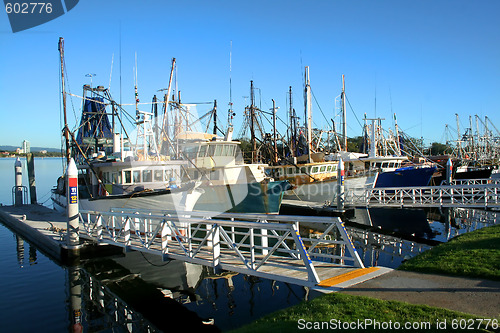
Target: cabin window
(225, 151)
(314, 169)
(158, 175)
(391, 165)
(218, 150)
(232, 148)
(211, 150)
(116, 178)
(367, 165)
(127, 177)
(147, 176)
(322, 169)
(168, 174)
(329, 168)
(214, 175)
(385, 164)
(290, 171)
(303, 170)
(137, 176)
(378, 165)
(190, 152)
(203, 151)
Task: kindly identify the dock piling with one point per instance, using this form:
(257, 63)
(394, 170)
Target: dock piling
(30, 162)
(73, 226)
(449, 171)
(18, 187)
(340, 186)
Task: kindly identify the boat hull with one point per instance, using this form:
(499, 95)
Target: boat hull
(179, 200)
(405, 177)
(261, 198)
(326, 191)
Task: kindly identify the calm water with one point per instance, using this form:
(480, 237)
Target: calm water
(122, 293)
(46, 172)
(141, 293)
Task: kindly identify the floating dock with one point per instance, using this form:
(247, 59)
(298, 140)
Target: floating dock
(46, 229)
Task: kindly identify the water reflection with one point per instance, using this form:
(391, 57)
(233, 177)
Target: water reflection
(94, 307)
(388, 236)
(139, 292)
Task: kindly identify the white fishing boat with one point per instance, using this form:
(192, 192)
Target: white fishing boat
(229, 184)
(113, 172)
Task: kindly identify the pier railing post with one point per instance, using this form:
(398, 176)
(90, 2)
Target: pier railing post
(216, 247)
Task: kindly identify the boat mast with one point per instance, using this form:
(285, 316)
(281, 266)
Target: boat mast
(66, 129)
(230, 113)
(396, 129)
(275, 144)
(164, 128)
(293, 127)
(459, 146)
(252, 125)
(215, 117)
(344, 114)
(308, 111)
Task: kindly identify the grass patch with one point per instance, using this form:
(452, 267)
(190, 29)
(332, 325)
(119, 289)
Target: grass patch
(323, 312)
(474, 254)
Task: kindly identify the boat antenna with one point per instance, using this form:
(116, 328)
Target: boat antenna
(90, 75)
(120, 47)
(111, 71)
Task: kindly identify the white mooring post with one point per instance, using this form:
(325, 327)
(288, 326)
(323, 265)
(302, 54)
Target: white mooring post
(73, 237)
(18, 170)
(449, 171)
(340, 186)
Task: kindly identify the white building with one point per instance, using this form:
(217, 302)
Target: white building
(26, 147)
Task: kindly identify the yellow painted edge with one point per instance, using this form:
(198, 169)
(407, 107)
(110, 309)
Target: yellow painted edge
(347, 276)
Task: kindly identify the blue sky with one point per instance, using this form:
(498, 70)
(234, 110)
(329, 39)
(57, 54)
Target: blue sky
(423, 60)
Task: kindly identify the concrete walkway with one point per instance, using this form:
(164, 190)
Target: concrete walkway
(474, 296)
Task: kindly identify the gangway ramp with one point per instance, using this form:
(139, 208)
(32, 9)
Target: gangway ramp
(267, 246)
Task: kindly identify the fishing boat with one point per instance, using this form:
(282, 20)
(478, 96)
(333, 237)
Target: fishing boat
(111, 177)
(111, 171)
(229, 184)
(385, 154)
(313, 171)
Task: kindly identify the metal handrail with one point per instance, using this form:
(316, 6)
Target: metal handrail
(227, 241)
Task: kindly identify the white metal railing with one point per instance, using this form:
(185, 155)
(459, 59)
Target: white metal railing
(478, 181)
(477, 195)
(253, 244)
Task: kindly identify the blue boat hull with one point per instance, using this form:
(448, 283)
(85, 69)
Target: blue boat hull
(405, 177)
